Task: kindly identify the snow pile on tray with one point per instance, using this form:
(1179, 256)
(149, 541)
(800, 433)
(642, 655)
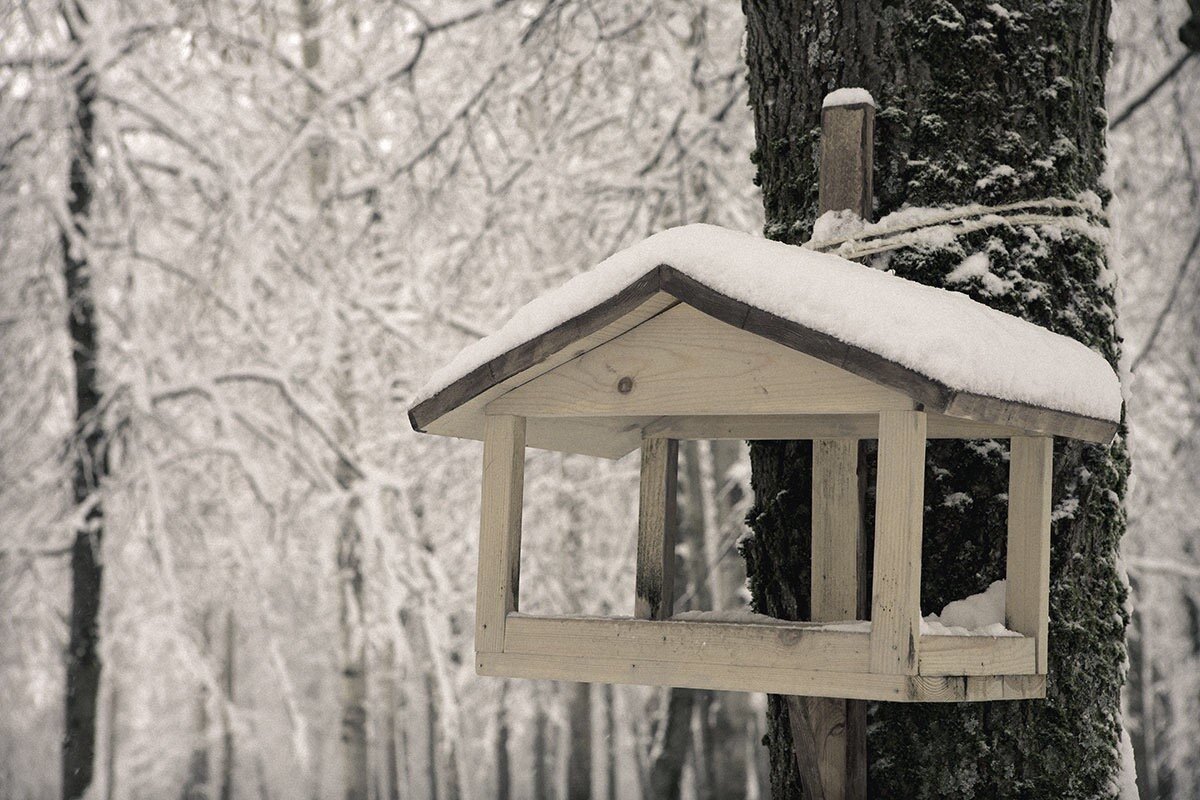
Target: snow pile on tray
(847, 97)
(941, 334)
(978, 615)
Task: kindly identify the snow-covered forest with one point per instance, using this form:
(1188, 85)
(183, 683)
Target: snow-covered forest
(291, 213)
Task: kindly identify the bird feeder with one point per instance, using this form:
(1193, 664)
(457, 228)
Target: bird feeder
(703, 333)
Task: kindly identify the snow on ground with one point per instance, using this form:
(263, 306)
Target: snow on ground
(941, 334)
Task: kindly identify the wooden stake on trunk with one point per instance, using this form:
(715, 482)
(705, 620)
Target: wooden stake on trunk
(829, 736)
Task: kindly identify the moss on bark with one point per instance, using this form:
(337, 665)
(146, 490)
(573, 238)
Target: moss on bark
(978, 102)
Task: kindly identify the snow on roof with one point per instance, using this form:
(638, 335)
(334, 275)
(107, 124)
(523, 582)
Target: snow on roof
(848, 97)
(943, 335)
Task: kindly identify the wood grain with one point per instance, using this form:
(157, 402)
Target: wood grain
(847, 159)
(685, 362)
(499, 530)
(655, 577)
(837, 541)
(899, 509)
(1027, 590)
(781, 646)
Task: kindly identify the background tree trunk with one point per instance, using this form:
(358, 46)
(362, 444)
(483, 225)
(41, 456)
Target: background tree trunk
(978, 103)
(579, 738)
(543, 756)
(503, 770)
(83, 649)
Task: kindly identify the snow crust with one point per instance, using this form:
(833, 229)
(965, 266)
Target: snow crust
(848, 97)
(941, 334)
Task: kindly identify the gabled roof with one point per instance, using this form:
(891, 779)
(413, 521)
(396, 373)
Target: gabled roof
(955, 356)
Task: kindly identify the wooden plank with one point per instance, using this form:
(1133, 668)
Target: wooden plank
(1031, 418)
(899, 509)
(447, 414)
(977, 688)
(814, 751)
(977, 655)
(857, 686)
(684, 362)
(598, 324)
(837, 541)
(1027, 591)
(662, 672)
(748, 645)
(655, 577)
(765, 426)
(499, 530)
(810, 426)
(838, 580)
(847, 159)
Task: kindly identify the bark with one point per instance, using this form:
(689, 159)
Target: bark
(89, 467)
(543, 757)
(503, 770)
(964, 92)
(432, 736)
(579, 756)
(196, 786)
(610, 743)
(667, 768)
(225, 789)
(395, 699)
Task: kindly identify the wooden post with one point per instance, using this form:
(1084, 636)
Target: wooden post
(847, 159)
(1027, 593)
(655, 582)
(899, 511)
(499, 529)
(832, 759)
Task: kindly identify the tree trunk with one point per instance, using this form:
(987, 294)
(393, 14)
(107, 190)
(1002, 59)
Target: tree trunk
(353, 755)
(667, 769)
(543, 758)
(225, 790)
(610, 743)
(90, 460)
(432, 724)
(579, 756)
(978, 103)
(503, 771)
(199, 764)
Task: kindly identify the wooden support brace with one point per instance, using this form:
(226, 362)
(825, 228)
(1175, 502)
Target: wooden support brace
(835, 725)
(1027, 593)
(899, 509)
(499, 529)
(655, 581)
(838, 728)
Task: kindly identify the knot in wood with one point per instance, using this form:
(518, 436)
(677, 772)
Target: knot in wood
(625, 385)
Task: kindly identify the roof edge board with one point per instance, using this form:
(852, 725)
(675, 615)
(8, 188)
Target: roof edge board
(931, 394)
(534, 351)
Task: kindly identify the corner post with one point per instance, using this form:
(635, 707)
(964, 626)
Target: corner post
(899, 513)
(1027, 592)
(655, 581)
(830, 735)
(499, 529)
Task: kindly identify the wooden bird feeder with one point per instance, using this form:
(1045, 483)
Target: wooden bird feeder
(685, 349)
(703, 333)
